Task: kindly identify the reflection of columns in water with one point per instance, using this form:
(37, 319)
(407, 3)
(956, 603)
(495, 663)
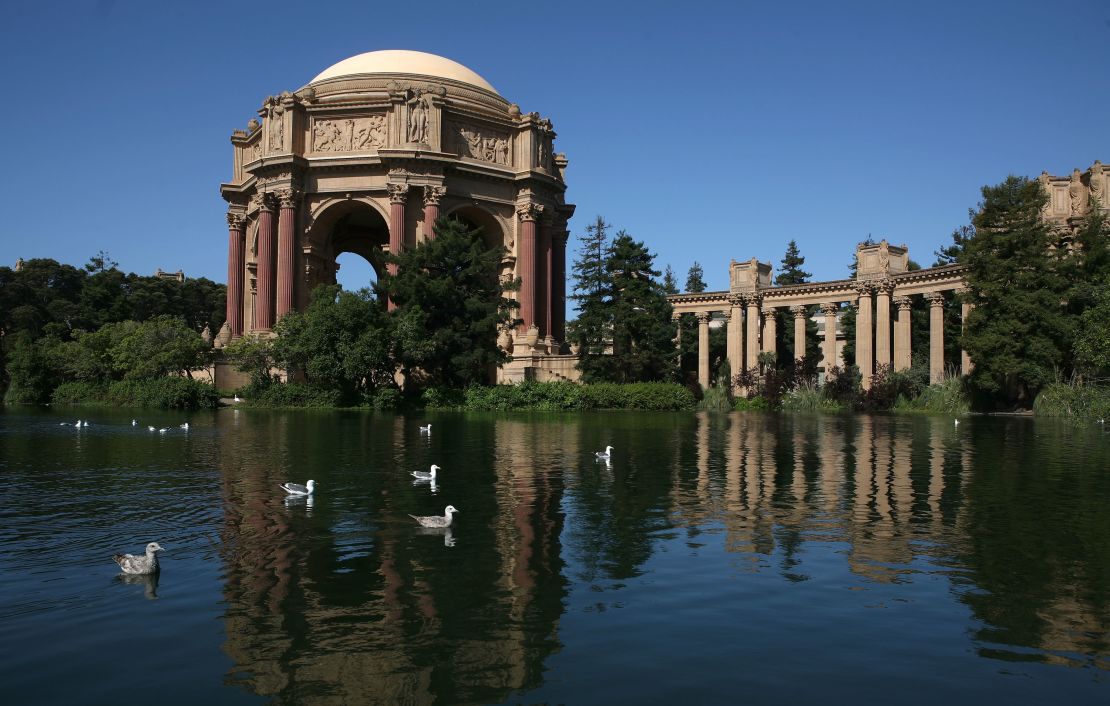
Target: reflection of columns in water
(865, 471)
(936, 470)
(902, 468)
(880, 442)
(703, 457)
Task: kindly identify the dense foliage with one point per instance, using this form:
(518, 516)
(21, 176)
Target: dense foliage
(558, 396)
(97, 325)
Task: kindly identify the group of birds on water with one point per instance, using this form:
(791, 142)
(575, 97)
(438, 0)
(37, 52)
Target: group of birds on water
(134, 422)
(145, 564)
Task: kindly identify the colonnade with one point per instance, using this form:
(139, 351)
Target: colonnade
(882, 331)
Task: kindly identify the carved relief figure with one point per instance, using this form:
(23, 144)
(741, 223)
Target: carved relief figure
(348, 134)
(488, 146)
(418, 118)
(1096, 182)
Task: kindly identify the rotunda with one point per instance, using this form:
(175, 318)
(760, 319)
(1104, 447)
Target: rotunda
(364, 158)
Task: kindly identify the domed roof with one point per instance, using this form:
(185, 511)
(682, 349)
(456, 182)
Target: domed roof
(403, 61)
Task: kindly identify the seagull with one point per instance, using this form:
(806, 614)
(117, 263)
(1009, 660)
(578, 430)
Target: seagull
(604, 455)
(147, 564)
(85, 423)
(426, 475)
(163, 430)
(957, 423)
(427, 429)
(78, 424)
(185, 426)
(435, 521)
(151, 428)
(134, 422)
(298, 489)
(236, 398)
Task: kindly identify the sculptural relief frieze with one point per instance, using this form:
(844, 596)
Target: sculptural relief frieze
(348, 134)
(479, 143)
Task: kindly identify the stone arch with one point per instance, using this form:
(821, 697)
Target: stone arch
(344, 225)
(476, 216)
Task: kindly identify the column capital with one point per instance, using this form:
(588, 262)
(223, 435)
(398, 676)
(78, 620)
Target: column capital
(432, 194)
(863, 289)
(703, 317)
(736, 300)
(726, 316)
(769, 310)
(675, 317)
(398, 193)
(753, 300)
(903, 303)
(529, 211)
(935, 299)
(884, 286)
(263, 201)
(799, 311)
(235, 221)
(830, 309)
(288, 198)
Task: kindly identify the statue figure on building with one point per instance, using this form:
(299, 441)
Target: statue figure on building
(277, 128)
(1097, 182)
(418, 118)
(1075, 191)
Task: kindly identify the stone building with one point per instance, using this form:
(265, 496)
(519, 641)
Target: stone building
(363, 159)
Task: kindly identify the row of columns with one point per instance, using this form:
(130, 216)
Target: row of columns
(871, 317)
(542, 266)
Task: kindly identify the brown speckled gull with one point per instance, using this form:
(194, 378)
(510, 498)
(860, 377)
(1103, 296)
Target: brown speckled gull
(435, 521)
(146, 564)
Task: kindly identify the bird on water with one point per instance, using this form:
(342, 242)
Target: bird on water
(435, 521)
(604, 455)
(426, 475)
(427, 429)
(145, 564)
(298, 489)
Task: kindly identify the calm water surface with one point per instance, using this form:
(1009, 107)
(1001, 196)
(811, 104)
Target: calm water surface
(718, 559)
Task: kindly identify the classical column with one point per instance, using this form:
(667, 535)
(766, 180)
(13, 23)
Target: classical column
(903, 353)
(882, 322)
(398, 193)
(770, 330)
(936, 336)
(703, 349)
(751, 359)
(829, 352)
(264, 304)
(799, 313)
(235, 268)
(544, 266)
(864, 328)
(966, 306)
(432, 195)
(286, 255)
(559, 284)
(734, 335)
(526, 265)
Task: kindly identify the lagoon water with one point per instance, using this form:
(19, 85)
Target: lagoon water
(719, 559)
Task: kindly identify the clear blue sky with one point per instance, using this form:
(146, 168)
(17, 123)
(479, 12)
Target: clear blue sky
(709, 130)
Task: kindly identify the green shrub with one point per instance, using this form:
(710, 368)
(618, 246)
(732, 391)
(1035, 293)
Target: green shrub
(293, 394)
(808, 397)
(946, 397)
(166, 393)
(79, 393)
(752, 404)
(717, 399)
(442, 398)
(386, 399)
(1074, 400)
(562, 396)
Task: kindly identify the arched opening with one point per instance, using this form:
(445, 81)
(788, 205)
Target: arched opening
(351, 237)
(474, 217)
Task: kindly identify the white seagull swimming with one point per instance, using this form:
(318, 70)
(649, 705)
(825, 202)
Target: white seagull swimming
(298, 489)
(604, 455)
(134, 422)
(163, 430)
(435, 521)
(427, 429)
(185, 426)
(426, 475)
(146, 564)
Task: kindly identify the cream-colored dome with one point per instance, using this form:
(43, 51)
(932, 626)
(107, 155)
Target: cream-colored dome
(402, 61)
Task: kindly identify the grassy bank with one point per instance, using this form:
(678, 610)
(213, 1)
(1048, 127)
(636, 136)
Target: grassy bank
(164, 393)
(1073, 400)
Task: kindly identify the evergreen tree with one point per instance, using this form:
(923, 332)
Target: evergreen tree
(791, 271)
(1019, 333)
(591, 291)
(695, 281)
(670, 284)
(952, 254)
(449, 306)
(640, 316)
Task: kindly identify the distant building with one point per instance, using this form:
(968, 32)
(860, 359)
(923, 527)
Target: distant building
(178, 276)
